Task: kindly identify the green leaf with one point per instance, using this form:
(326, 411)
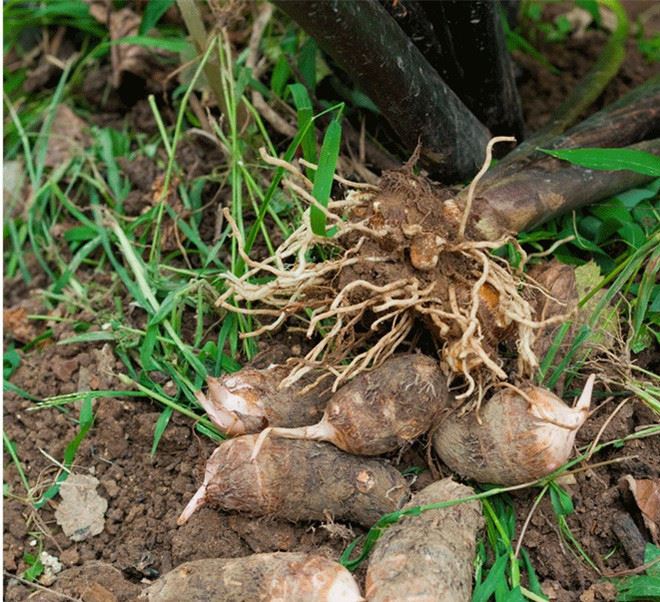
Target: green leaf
(532, 577)
(612, 211)
(610, 159)
(496, 575)
(561, 501)
(153, 11)
(161, 425)
(304, 114)
(168, 305)
(176, 45)
(639, 588)
(84, 424)
(11, 360)
(147, 348)
(632, 234)
(652, 554)
(80, 233)
(280, 76)
(307, 63)
(35, 567)
(207, 432)
(88, 337)
(631, 198)
(324, 175)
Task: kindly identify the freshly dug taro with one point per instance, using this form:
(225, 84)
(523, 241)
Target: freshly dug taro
(559, 282)
(298, 480)
(404, 252)
(251, 399)
(520, 435)
(430, 556)
(276, 577)
(379, 411)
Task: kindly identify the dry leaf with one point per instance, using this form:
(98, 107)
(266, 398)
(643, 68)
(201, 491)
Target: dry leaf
(67, 137)
(80, 514)
(52, 566)
(129, 58)
(646, 493)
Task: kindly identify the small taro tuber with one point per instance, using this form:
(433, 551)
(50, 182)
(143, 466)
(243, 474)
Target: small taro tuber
(298, 480)
(251, 399)
(427, 557)
(278, 577)
(379, 411)
(561, 299)
(521, 434)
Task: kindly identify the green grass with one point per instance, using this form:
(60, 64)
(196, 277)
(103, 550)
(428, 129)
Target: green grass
(86, 199)
(183, 336)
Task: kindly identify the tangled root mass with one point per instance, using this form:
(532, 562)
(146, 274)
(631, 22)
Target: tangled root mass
(400, 254)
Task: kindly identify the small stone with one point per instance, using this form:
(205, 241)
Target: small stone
(52, 566)
(80, 513)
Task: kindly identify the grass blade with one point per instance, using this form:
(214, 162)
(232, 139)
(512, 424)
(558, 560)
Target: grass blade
(610, 159)
(161, 425)
(324, 175)
(304, 113)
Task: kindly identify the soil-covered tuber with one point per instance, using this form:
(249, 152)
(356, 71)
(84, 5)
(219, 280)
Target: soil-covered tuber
(520, 435)
(276, 577)
(381, 410)
(298, 480)
(251, 399)
(430, 556)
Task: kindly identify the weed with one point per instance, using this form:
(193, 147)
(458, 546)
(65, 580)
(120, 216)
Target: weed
(645, 586)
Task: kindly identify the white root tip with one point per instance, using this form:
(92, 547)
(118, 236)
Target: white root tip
(196, 502)
(259, 443)
(585, 397)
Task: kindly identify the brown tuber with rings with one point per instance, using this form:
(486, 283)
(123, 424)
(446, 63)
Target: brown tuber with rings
(379, 411)
(298, 480)
(280, 576)
(519, 435)
(251, 399)
(429, 556)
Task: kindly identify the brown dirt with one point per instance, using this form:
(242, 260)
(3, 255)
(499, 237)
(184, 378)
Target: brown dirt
(542, 91)
(146, 493)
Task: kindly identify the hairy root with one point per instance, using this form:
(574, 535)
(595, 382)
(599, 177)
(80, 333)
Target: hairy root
(400, 255)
